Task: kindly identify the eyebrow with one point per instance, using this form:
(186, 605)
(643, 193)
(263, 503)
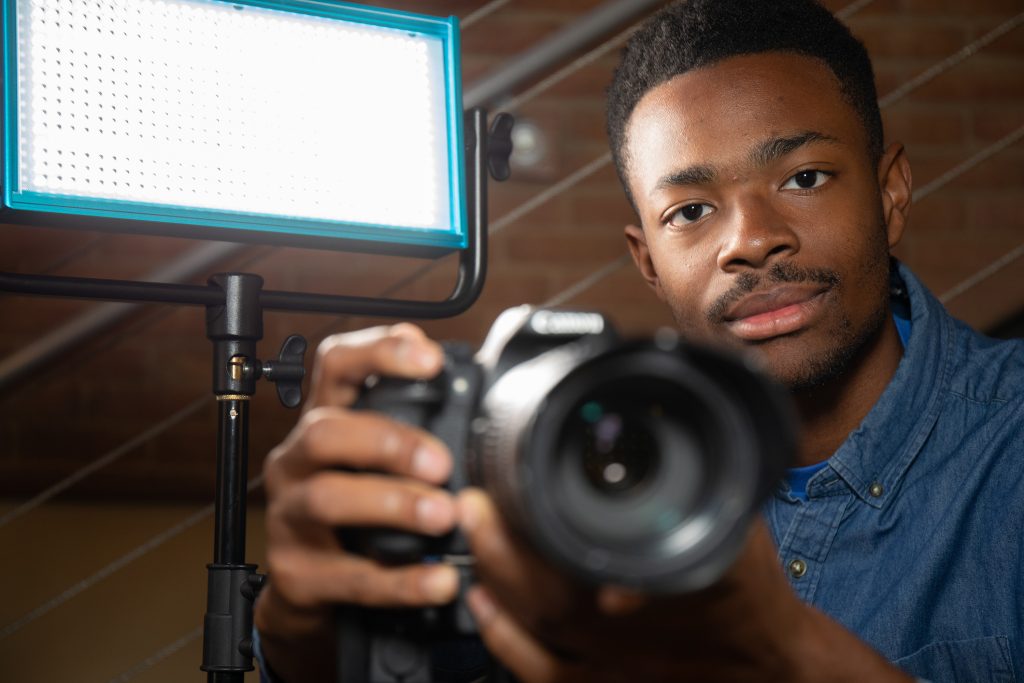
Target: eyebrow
(763, 154)
(775, 148)
(693, 175)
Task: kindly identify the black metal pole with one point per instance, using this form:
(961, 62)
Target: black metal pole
(234, 327)
(232, 469)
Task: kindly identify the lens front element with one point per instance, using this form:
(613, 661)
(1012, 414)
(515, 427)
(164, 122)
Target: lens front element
(643, 466)
(617, 447)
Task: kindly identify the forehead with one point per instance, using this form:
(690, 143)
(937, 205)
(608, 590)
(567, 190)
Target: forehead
(715, 114)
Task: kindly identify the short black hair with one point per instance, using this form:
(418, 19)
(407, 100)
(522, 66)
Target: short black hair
(694, 33)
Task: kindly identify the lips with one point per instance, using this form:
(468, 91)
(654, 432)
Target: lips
(776, 312)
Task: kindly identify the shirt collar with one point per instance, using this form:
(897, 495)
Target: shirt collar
(874, 458)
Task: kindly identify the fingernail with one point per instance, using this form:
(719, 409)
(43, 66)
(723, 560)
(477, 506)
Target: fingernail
(428, 463)
(423, 358)
(480, 604)
(440, 584)
(434, 514)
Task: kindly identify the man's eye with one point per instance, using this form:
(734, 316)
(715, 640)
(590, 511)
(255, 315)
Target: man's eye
(689, 214)
(806, 180)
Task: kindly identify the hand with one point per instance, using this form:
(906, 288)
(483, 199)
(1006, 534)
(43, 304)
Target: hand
(749, 626)
(341, 468)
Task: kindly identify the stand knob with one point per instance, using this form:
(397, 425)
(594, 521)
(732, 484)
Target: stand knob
(499, 146)
(288, 370)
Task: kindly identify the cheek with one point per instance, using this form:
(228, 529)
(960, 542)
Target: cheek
(868, 245)
(864, 226)
(864, 262)
(686, 281)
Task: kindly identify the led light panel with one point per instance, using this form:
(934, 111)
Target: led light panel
(293, 117)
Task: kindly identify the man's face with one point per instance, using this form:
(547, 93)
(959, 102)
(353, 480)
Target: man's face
(764, 226)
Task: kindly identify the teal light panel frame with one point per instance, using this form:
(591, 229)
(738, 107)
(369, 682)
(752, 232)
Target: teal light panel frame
(276, 218)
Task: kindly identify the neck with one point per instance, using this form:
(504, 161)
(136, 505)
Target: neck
(830, 412)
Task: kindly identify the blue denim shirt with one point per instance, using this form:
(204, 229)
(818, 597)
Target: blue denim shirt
(911, 536)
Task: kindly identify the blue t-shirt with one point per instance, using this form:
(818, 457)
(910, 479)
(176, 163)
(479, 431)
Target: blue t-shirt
(797, 478)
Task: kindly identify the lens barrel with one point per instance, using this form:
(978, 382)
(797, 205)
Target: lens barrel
(642, 465)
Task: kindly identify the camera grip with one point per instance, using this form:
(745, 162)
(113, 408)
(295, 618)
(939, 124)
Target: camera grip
(444, 406)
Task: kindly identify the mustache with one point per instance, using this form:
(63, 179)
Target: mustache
(779, 273)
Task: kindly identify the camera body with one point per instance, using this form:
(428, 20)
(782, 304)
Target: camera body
(639, 464)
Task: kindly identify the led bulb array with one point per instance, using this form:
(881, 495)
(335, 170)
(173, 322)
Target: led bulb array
(209, 105)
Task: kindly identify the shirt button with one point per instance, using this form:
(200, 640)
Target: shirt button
(877, 490)
(797, 568)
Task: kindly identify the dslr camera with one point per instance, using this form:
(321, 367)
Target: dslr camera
(634, 463)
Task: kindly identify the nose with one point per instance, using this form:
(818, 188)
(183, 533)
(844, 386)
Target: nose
(754, 235)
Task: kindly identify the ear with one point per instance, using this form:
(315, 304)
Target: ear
(897, 187)
(637, 241)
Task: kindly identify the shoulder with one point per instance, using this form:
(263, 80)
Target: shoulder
(969, 365)
(986, 370)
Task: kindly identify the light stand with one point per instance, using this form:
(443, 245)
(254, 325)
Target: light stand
(235, 304)
(234, 327)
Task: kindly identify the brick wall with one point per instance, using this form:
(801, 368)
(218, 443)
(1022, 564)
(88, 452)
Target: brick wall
(119, 384)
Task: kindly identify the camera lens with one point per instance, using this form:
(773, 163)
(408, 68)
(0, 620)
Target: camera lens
(616, 445)
(625, 468)
(640, 465)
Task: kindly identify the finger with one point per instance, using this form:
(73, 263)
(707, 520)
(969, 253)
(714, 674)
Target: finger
(308, 580)
(334, 438)
(511, 644)
(495, 553)
(514, 573)
(344, 361)
(345, 499)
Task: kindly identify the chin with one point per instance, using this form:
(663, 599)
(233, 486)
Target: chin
(821, 367)
(800, 382)
(797, 377)
(793, 363)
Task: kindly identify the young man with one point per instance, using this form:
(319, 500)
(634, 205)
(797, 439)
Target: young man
(748, 139)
